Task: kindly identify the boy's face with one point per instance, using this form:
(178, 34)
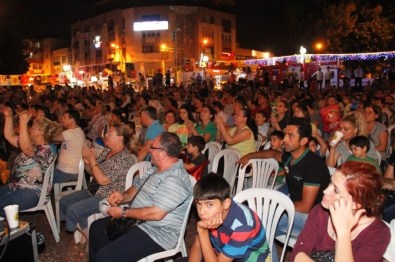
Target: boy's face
(191, 148)
(276, 143)
(208, 209)
(259, 119)
(358, 151)
(313, 146)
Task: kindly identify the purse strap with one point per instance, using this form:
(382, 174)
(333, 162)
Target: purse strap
(129, 204)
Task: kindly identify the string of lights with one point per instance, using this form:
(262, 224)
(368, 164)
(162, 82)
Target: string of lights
(322, 58)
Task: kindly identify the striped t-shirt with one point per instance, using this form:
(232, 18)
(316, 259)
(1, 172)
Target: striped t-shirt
(171, 191)
(241, 236)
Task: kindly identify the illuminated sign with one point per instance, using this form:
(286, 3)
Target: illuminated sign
(97, 41)
(151, 25)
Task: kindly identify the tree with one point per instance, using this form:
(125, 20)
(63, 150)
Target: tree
(13, 59)
(371, 32)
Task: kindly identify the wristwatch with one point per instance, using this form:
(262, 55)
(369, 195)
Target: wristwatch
(124, 209)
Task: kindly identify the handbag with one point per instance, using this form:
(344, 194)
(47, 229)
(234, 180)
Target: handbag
(116, 227)
(119, 226)
(323, 256)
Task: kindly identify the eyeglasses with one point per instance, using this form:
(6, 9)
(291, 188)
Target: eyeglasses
(159, 148)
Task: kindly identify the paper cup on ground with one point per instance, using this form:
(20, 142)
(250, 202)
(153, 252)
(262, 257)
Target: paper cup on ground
(12, 215)
(336, 138)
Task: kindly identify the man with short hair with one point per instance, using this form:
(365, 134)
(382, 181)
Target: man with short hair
(306, 173)
(162, 202)
(148, 118)
(73, 138)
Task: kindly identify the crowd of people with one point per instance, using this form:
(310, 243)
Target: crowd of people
(105, 127)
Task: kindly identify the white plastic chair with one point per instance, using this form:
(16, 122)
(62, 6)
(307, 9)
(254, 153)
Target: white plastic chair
(378, 156)
(261, 170)
(390, 252)
(213, 148)
(267, 146)
(44, 202)
(180, 247)
(269, 204)
(140, 167)
(260, 142)
(331, 170)
(58, 193)
(230, 156)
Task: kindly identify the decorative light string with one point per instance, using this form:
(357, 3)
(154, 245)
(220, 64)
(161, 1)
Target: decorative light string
(322, 58)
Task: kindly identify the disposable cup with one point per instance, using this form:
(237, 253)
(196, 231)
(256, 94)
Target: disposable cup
(12, 214)
(336, 138)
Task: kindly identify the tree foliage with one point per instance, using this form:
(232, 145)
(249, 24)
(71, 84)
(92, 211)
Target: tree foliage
(344, 25)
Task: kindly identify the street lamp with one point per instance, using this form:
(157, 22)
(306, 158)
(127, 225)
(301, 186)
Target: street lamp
(163, 49)
(319, 46)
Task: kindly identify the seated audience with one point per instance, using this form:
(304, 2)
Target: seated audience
(227, 231)
(263, 126)
(347, 225)
(306, 173)
(109, 171)
(28, 171)
(70, 153)
(351, 125)
(180, 128)
(243, 135)
(196, 158)
(205, 127)
(148, 118)
(360, 146)
(161, 202)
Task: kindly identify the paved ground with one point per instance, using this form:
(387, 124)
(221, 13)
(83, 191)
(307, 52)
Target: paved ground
(67, 251)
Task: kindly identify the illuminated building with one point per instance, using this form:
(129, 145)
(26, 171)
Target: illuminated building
(129, 40)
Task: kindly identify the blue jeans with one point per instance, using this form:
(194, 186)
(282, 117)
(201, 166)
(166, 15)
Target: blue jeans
(60, 177)
(25, 198)
(77, 207)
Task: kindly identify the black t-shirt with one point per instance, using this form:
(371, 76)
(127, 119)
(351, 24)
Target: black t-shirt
(310, 170)
(200, 159)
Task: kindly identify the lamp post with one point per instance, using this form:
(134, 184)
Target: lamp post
(302, 51)
(163, 50)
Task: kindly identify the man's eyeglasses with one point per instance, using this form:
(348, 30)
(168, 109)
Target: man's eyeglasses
(159, 148)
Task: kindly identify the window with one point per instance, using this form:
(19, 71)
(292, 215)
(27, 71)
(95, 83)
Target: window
(148, 49)
(56, 61)
(226, 25)
(99, 53)
(86, 29)
(111, 25)
(208, 19)
(226, 38)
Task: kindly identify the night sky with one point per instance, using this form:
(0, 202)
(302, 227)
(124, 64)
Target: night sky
(259, 22)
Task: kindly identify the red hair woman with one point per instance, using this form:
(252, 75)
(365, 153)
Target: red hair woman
(347, 225)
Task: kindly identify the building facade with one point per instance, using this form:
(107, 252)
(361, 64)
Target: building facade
(151, 39)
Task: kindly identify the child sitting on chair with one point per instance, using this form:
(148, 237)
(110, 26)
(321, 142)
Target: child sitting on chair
(359, 146)
(227, 230)
(194, 147)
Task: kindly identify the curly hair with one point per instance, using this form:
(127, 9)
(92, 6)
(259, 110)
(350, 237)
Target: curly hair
(50, 128)
(364, 184)
(357, 119)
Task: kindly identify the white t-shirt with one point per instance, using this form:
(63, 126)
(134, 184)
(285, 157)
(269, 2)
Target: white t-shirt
(71, 150)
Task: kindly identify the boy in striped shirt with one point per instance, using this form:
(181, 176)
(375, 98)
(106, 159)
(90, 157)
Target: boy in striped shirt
(227, 231)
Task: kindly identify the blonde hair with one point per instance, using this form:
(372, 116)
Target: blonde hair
(357, 119)
(49, 128)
